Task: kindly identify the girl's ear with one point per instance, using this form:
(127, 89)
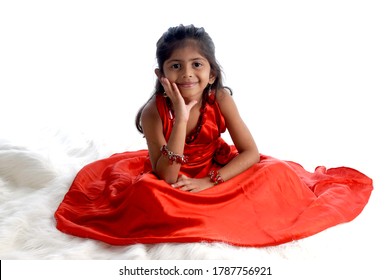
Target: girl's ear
(158, 73)
(212, 78)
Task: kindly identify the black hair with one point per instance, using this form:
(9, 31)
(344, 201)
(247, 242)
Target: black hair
(177, 37)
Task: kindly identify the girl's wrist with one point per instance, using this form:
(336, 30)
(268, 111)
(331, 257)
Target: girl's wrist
(173, 157)
(215, 177)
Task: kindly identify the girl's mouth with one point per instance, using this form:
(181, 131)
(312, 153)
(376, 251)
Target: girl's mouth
(187, 85)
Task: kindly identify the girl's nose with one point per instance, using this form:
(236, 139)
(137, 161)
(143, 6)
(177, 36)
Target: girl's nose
(187, 72)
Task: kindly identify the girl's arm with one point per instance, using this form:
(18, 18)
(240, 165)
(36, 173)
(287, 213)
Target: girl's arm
(243, 141)
(153, 132)
(240, 135)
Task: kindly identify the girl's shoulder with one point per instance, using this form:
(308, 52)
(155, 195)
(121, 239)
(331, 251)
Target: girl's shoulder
(150, 111)
(224, 99)
(223, 94)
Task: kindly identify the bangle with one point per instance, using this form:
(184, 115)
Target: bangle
(215, 177)
(172, 157)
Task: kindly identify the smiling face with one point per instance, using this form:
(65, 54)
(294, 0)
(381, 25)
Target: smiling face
(189, 70)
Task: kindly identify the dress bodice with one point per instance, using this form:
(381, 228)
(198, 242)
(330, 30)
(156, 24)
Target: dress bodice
(207, 148)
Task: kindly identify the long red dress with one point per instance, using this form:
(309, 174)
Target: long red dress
(120, 201)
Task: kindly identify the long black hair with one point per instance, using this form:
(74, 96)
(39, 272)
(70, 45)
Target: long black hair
(177, 37)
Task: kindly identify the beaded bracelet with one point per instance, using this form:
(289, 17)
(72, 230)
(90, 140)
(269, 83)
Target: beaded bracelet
(172, 157)
(215, 177)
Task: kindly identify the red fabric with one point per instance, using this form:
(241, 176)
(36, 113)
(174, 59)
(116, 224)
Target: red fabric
(119, 200)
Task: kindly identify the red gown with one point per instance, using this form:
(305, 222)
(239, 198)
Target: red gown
(120, 201)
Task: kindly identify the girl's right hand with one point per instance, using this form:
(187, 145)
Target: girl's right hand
(181, 109)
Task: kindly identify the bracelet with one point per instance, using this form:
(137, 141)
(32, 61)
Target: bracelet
(215, 177)
(172, 157)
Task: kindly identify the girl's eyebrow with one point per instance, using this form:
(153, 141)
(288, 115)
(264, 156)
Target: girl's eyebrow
(180, 60)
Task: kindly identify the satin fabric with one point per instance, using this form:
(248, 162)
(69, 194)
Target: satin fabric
(120, 201)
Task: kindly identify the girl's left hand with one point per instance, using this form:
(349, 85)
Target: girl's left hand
(185, 183)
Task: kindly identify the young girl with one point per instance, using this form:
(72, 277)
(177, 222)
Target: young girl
(190, 185)
(192, 82)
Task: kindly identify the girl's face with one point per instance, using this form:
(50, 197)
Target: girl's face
(189, 70)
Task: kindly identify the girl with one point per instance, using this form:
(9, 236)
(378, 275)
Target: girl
(191, 78)
(190, 185)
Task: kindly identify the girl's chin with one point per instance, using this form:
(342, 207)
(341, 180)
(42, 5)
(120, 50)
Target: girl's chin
(190, 93)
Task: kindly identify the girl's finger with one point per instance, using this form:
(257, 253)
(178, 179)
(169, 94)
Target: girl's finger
(179, 184)
(191, 104)
(175, 88)
(182, 177)
(167, 86)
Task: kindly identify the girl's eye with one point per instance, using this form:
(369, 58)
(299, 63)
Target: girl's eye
(197, 64)
(175, 66)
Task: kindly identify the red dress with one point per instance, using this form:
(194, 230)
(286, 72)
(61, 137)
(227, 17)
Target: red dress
(120, 201)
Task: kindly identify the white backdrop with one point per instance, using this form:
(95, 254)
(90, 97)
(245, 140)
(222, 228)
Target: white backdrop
(310, 77)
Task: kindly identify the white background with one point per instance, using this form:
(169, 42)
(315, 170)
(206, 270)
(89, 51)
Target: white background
(310, 77)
